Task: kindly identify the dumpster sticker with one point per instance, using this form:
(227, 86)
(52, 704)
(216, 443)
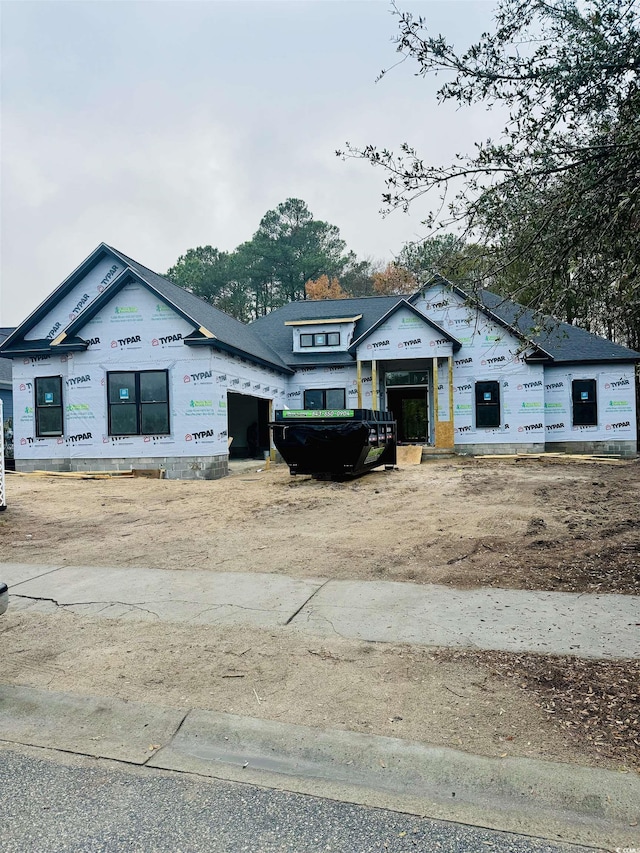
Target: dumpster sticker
(318, 413)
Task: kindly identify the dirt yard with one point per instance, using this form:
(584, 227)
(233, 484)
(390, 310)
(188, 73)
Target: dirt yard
(533, 524)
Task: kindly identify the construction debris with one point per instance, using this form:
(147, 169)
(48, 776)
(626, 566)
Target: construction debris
(409, 454)
(75, 475)
(147, 473)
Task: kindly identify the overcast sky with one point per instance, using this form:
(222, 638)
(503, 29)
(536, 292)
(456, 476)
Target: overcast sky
(160, 126)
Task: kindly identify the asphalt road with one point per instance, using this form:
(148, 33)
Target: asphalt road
(55, 803)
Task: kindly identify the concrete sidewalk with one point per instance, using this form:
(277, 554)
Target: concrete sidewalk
(546, 799)
(593, 626)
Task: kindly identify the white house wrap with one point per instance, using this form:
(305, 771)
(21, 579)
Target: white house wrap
(120, 368)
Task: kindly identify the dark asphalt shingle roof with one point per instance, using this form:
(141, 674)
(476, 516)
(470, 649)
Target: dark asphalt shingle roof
(5, 363)
(279, 337)
(563, 342)
(268, 341)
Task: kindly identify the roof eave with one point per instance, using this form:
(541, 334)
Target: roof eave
(298, 365)
(323, 320)
(588, 361)
(32, 351)
(216, 343)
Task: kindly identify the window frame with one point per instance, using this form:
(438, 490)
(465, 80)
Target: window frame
(486, 406)
(138, 402)
(48, 406)
(324, 392)
(309, 340)
(584, 406)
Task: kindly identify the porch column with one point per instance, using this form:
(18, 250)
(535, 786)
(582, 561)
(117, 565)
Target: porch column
(359, 382)
(450, 360)
(374, 385)
(434, 378)
(444, 427)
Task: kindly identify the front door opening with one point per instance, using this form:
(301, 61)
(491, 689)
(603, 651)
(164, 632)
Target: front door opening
(410, 408)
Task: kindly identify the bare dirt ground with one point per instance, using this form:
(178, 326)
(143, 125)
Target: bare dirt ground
(533, 524)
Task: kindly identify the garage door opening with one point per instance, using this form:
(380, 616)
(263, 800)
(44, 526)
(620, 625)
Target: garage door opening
(248, 426)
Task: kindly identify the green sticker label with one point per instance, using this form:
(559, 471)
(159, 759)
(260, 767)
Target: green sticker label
(318, 413)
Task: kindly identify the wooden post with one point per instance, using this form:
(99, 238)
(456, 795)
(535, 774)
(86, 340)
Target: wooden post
(451, 394)
(272, 449)
(436, 401)
(444, 428)
(359, 380)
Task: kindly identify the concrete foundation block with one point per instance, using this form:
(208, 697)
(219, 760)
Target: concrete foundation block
(176, 468)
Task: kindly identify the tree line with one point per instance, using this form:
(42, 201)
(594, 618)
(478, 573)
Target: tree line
(293, 256)
(552, 207)
(289, 250)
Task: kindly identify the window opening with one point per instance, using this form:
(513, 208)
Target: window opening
(48, 390)
(397, 378)
(324, 398)
(487, 404)
(320, 339)
(138, 402)
(585, 404)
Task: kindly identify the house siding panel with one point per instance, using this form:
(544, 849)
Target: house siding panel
(136, 331)
(77, 300)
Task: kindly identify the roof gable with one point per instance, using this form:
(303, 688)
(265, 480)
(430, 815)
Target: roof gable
(70, 298)
(211, 326)
(551, 340)
(128, 277)
(228, 333)
(405, 304)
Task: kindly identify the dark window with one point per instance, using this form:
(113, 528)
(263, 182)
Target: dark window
(406, 377)
(487, 404)
(585, 405)
(320, 339)
(48, 406)
(138, 402)
(314, 400)
(319, 398)
(334, 398)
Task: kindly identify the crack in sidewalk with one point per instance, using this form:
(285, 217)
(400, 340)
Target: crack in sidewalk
(85, 603)
(304, 603)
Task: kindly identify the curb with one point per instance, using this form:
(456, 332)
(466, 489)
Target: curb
(545, 799)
